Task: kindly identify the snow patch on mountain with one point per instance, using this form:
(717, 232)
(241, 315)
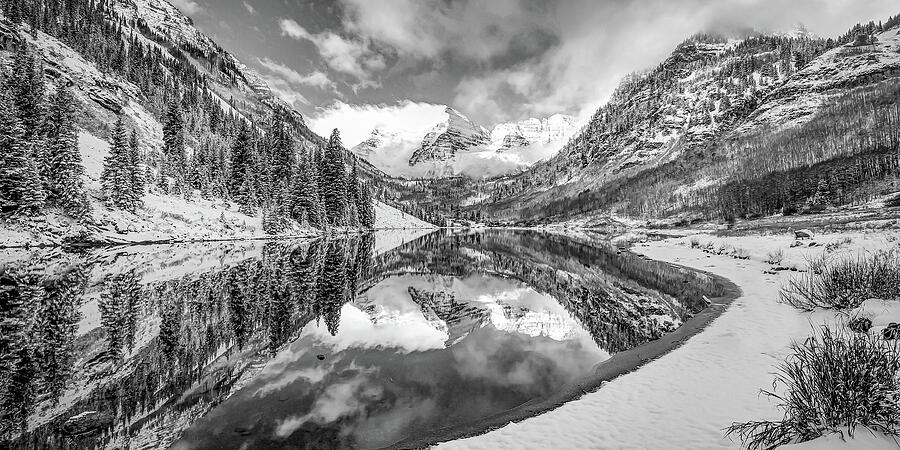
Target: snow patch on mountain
(510, 135)
(457, 146)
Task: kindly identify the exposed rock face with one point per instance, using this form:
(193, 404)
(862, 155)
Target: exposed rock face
(375, 141)
(446, 139)
(506, 136)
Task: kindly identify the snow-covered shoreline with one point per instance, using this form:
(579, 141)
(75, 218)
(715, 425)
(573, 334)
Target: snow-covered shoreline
(687, 397)
(172, 220)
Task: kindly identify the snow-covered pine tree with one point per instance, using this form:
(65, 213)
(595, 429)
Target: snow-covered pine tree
(353, 199)
(173, 139)
(61, 166)
(26, 83)
(138, 183)
(366, 206)
(248, 196)
(335, 184)
(117, 174)
(20, 184)
(281, 149)
(240, 160)
(304, 200)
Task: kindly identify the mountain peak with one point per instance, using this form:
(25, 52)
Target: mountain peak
(455, 134)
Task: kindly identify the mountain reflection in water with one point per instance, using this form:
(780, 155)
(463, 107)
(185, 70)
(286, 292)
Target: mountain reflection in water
(314, 344)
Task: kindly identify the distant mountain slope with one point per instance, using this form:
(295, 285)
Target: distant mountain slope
(455, 146)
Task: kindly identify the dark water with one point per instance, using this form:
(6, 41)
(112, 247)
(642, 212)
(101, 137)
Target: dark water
(324, 344)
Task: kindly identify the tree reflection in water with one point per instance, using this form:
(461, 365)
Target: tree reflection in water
(314, 343)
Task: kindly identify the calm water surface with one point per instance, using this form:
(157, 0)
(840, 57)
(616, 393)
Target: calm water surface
(322, 344)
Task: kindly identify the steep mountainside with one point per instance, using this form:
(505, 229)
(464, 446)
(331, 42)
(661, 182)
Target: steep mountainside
(455, 134)
(663, 128)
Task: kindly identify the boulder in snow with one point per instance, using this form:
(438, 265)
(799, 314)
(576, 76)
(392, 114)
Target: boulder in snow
(803, 234)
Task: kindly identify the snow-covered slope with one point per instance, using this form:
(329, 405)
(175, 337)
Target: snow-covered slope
(387, 217)
(512, 135)
(232, 80)
(838, 69)
(453, 135)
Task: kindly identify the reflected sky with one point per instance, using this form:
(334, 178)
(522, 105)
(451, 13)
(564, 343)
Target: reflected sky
(411, 354)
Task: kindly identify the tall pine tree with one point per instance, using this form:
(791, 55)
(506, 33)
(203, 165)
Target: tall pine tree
(353, 199)
(61, 166)
(118, 172)
(305, 204)
(240, 161)
(334, 181)
(20, 185)
(173, 142)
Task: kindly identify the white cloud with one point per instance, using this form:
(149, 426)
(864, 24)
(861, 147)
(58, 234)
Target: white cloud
(356, 122)
(314, 79)
(535, 57)
(250, 9)
(188, 7)
(353, 57)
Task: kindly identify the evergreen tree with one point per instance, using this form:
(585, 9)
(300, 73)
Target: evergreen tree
(26, 83)
(366, 206)
(353, 197)
(138, 184)
(20, 185)
(304, 200)
(173, 139)
(118, 172)
(241, 160)
(61, 167)
(334, 179)
(281, 150)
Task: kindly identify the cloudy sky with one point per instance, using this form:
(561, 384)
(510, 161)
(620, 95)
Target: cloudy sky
(346, 62)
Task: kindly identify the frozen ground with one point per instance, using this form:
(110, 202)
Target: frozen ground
(686, 398)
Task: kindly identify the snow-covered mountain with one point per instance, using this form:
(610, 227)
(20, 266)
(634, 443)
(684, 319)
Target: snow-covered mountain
(512, 135)
(233, 80)
(668, 132)
(453, 135)
(457, 146)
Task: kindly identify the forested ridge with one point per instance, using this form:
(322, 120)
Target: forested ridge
(258, 154)
(719, 131)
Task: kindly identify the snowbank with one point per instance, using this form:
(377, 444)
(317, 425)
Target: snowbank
(389, 218)
(686, 398)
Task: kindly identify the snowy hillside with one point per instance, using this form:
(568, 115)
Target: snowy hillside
(677, 118)
(389, 218)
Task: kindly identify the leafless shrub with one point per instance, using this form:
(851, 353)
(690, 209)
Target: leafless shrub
(775, 258)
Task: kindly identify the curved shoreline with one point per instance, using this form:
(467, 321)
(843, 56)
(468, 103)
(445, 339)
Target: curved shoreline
(617, 365)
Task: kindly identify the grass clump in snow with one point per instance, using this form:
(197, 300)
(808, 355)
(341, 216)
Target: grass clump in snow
(835, 381)
(845, 283)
